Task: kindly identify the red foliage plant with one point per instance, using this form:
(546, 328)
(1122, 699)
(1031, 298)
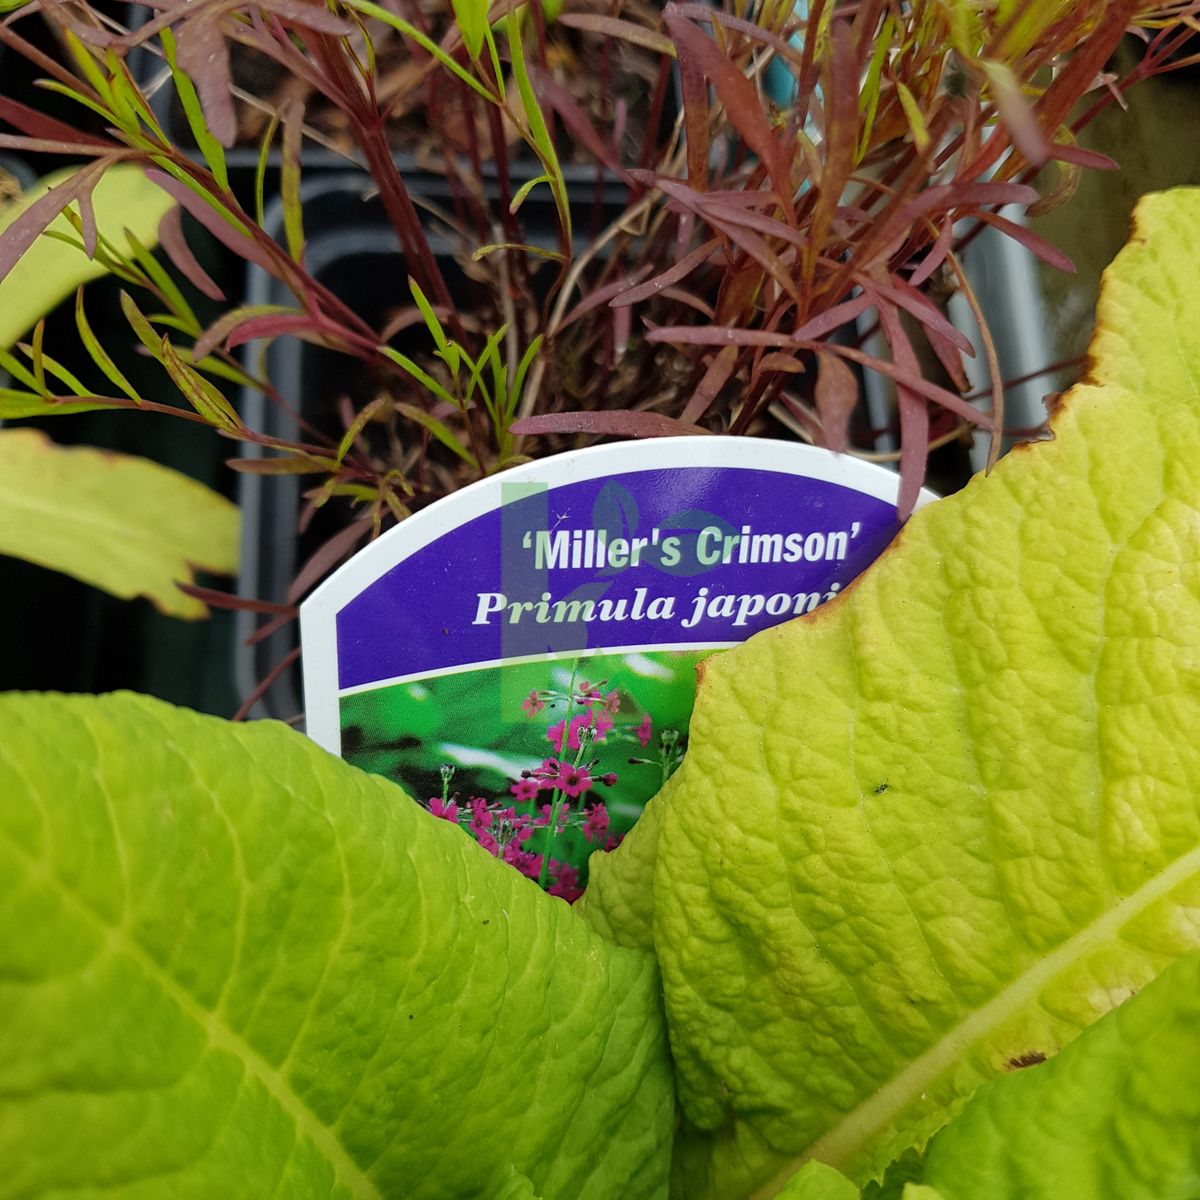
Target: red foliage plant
(755, 243)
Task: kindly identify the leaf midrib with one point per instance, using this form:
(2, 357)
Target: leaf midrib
(220, 1036)
(855, 1130)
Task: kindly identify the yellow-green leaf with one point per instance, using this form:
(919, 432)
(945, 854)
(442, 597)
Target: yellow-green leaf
(51, 270)
(946, 822)
(124, 524)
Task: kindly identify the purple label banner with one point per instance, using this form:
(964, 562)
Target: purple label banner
(675, 543)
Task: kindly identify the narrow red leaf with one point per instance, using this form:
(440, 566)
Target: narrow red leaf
(936, 256)
(238, 603)
(718, 335)
(310, 14)
(305, 327)
(29, 226)
(601, 295)
(762, 254)
(625, 31)
(204, 56)
(945, 197)
(833, 318)
(687, 298)
(694, 91)
(841, 131)
(1085, 64)
(28, 145)
(905, 296)
(710, 385)
(914, 416)
(707, 14)
(949, 356)
(1034, 243)
(913, 380)
(605, 424)
(739, 215)
(38, 125)
(1080, 156)
(229, 235)
(327, 556)
(837, 397)
(173, 242)
(653, 287)
(736, 93)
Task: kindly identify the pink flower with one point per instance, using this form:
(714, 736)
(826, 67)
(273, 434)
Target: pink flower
(555, 733)
(530, 865)
(643, 731)
(532, 704)
(566, 883)
(601, 724)
(544, 819)
(481, 817)
(488, 842)
(596, 825)
(573, 781)
(447, 811)
(609, 779)
(525, 790)
(612, 702)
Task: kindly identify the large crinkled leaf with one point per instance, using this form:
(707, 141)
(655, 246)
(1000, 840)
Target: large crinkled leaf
(233, 966)
(122, 523)
(947, 821)
(50, 270)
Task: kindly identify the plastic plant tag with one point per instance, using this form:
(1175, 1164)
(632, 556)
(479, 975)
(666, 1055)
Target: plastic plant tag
(521, 655)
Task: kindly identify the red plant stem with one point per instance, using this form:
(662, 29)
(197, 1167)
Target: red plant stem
(368, 122)
(402, 214)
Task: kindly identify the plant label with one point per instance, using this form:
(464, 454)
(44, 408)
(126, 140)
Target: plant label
(521, 655)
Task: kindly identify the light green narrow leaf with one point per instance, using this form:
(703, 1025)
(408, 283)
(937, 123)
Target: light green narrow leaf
(439, 431)
(292, 116)
(522, 193)
(260, 170)
(51, 269)
(233, 966)
(210, 147)
(100, 356)
(205, 397)
(471, 17)
(538, 134)
(423, 377)
(1115, 1116)
(953, 817)
(448, 351)
(369, 9)
(912, 114)
(121, 523)
(518, 380)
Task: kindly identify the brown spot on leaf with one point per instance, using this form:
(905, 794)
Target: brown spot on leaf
(1030, 1058)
